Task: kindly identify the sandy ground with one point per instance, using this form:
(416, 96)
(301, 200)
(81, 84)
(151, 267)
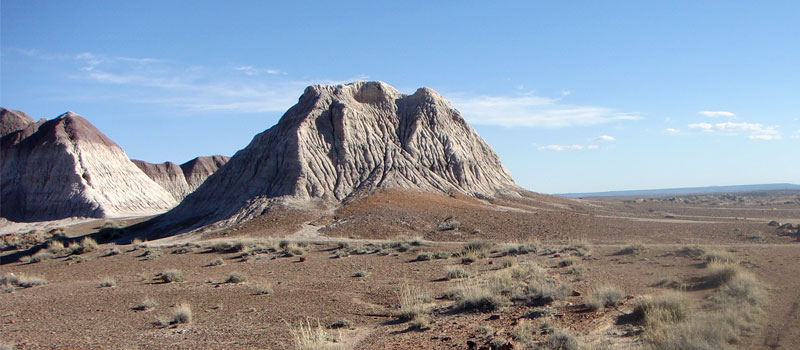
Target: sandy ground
(73, 311)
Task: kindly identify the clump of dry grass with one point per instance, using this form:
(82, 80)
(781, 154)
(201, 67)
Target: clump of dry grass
(11, 280)
(456, 272)
(263, 290)
(107, 282)
(603, 297)
(720, 274)
(632, 249)
(579, 248)
(474, 296)
(310, 335)
(654, 311)
(41, 255)
(718, 257)
(342, 323)
(87, 245)
(412, 303)
(182, 314)
(146, 304)
(216, 262)
(561, 340)
(112, 251)
(172, 275)
(236, 277)
(55, 247)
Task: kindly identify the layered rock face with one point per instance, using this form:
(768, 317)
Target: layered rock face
(11, 121)
(65, 167)
(345, 140)
(180, 180)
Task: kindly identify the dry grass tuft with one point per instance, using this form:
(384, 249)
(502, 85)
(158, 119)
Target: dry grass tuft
(182, 314)
(603, 297)
(412, 303)
(146, 304)
(310, 335)
(474, 296)
(655, 311)
(632, 249)
(107, 282)
(236, 277)
(172, 275)
(456, 272)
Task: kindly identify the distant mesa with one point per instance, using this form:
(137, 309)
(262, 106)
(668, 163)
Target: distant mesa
(180, 180)
(341, 142)
(65, 167)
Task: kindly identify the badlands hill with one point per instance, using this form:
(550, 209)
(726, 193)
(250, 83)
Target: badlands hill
(180, 180)
(11, 121)
(65, 167)
(340, 143)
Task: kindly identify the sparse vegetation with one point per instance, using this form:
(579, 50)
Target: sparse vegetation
(107, 282)
(236, 277)
(343, 323)
(603, 297)
(412, 303)
(424, 256)
(655, 311)
(146, 304)
(310, 335)
(263, 290)
(10, 280)
(456, 272)
(632, 249)
(112, 251)
(182, 314)
(361, 274)
(40, 256)
(87, 245)
(216, 262)
(718, 257)
(172, 275)
(561, 340)
(477, 297)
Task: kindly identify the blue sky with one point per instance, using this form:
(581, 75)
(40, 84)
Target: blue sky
(575, 96)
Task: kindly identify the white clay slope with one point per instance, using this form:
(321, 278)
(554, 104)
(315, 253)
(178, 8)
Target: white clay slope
(341, 141)
(66, 167)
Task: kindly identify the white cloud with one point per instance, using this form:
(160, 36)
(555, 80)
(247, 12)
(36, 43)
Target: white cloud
(192, 88)
(756, 131)
(605, 138)
(559, 148)
(252, 71)
(533, 111)
(672, 130)
(701, 126)
(714, 114)
(592, 147)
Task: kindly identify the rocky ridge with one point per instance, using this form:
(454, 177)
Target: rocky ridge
(344, 141)
(65, 167)
(180, 180)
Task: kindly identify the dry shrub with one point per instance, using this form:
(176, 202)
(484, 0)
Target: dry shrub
(107, 282)
(172, 275)
(717, 257)
(720, 274)
(236, 277)
(456, 272)
(41, 255)
(604, 296)
(561, 340)
(474, 296)
(310, 335)
(412, 303)
(182, 314)
(146, 304)
(632, 249)
(654, 311)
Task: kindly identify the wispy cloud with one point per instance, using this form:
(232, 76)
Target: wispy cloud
(672, 131)
(714, 114)
(755, 131)
(180, 85)
(533, 111)
(560, 148)
(605, 138)
(253, 71)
